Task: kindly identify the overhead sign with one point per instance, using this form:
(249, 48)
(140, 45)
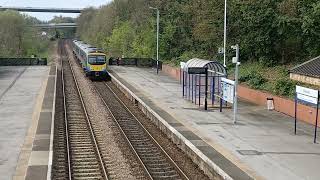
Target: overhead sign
(197, 70)
(227, 89)
(307, 94)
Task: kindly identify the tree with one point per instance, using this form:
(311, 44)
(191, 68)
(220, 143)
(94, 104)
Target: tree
(268, 31)
(17, 36)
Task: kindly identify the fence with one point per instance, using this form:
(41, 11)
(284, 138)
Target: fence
(23, 61)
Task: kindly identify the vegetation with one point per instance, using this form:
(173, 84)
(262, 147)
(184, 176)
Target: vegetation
(65, 32)
(18, 38)
(271, 33)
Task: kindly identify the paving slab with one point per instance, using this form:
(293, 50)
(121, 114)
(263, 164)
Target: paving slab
(19, 89)
(261, 146)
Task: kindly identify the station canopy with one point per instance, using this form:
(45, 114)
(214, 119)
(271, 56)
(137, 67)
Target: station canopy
(213, 66)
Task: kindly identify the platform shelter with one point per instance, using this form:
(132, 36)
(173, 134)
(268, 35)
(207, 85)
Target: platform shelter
(194, 85)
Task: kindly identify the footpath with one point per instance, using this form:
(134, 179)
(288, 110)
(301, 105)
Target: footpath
(262, 145)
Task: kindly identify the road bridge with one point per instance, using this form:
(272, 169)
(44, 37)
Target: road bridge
(41, 9)
(56, 25)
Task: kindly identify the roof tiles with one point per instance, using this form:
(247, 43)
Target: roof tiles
(309, 68)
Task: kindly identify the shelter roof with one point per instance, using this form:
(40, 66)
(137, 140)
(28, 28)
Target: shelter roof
(213, 66)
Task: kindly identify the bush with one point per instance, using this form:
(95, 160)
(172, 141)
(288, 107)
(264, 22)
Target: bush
(254, 79)
(285, 87)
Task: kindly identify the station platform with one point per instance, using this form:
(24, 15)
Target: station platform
(26, 105)
(262, 145)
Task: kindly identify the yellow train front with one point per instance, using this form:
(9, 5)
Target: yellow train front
(92, 60)
(96, 65)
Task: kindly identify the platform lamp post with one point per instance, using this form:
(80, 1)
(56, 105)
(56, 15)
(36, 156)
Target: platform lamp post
(225, 33)
(158, 19)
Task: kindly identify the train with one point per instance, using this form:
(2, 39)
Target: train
(92, 59)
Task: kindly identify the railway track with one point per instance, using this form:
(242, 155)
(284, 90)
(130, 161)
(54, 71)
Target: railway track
(157, 163)
(82, 156)
(81, 148)
(59, 166)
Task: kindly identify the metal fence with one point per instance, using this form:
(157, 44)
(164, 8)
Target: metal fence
(23, 61)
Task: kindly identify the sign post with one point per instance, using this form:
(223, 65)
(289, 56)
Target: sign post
(206, 92)
(295, 114)
(316, 126)
(182, 83)
(182, 65)
(309, 96)
(235, 60)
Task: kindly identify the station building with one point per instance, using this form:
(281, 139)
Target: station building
(307, 72)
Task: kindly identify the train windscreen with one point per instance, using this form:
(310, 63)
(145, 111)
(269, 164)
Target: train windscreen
(97, 60)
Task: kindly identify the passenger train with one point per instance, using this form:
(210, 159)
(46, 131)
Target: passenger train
(92, 59)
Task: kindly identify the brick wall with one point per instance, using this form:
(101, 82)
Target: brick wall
(283, 105)
(171, 71)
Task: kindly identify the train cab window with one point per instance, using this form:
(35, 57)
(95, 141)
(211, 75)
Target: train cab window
(96, 60)
(101, 59)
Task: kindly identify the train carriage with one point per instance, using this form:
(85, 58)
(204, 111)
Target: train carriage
(92, 59)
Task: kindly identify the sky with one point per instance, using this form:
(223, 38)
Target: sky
(55, 4)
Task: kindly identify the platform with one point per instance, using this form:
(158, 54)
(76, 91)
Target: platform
(22, 91)
(261, 146)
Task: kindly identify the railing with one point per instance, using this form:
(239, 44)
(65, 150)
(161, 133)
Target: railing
(23, 61)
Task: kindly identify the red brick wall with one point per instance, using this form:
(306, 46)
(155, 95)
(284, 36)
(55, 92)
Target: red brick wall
(282, 105)
(171, 71)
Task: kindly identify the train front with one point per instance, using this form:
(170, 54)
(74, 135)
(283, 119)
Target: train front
(97, 65)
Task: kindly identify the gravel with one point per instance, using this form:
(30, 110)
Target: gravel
(183, 161)
(119, 159)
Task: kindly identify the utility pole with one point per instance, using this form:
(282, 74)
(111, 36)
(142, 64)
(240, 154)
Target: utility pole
(236, 61)
(158, 21)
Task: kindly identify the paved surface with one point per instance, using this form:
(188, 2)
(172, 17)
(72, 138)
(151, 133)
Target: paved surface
(19, 88)
(262, 144)
(40, 159)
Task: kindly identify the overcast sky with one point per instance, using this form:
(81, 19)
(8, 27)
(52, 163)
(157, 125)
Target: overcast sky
(53, 3)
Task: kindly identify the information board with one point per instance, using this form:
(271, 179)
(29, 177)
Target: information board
(197, 70)
(310, 96)
(227, 90)
(307, 94)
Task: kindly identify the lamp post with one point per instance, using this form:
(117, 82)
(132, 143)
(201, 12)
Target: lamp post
(158, 19)
(225, 33)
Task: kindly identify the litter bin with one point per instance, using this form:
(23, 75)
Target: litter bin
(270, 105)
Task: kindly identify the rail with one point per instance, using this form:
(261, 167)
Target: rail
(157, 164)
(67, 128)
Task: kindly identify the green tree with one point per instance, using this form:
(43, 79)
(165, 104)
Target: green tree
(311, 28)
(18, 37)
(268, 31)
(120, 42)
